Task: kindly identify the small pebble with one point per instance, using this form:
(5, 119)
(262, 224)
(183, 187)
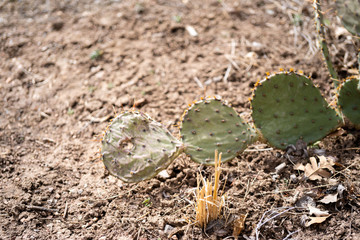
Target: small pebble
(168, 229)
(293, 178)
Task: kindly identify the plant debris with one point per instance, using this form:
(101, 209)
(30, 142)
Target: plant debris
(330, 198)
(320, 216)
(208, 202)
(316, 170)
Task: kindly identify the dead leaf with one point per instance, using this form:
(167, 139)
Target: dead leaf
(310, 170)
(299, 166)
(317, 171)
(327, 163)
(330, 198)
(316, 220)
(337, 133)
(320, 215)
(317, 212)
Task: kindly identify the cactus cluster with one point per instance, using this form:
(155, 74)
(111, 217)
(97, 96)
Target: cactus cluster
(286, 107)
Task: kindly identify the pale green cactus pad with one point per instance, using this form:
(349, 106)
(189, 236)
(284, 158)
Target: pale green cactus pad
(136, 148)
(288, 107)
(349, 100)
(349, 13)
(211, 124)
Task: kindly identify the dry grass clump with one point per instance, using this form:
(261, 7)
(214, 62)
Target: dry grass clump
(208, 202)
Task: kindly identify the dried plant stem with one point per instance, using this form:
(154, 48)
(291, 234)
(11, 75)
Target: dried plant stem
(208, 202)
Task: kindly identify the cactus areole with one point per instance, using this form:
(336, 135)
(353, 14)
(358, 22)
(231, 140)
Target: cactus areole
(288, 107)
(211, 124)
(136, 148)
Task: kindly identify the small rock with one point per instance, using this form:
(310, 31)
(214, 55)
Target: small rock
(293, 178)
(340, 190)
(140, 102)
(191, 30)
(72, 191)
(56, 26)
(251, 56)
(99, 75)
(275, 176)
(168, 229)
(124, 100)
(304, 201)
(163, 175)
(270, 12)
(93, 105)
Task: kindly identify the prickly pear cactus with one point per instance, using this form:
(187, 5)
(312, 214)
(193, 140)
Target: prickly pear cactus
(349, 100)
(287, 107)
(211, 124)
(136, 148)
(319, 20)
(349, 13)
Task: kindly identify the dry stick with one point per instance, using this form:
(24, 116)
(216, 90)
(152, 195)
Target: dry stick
(142, 216)
(341, 172)
(233, 46)
(290, 234)
(346, 149)
(198, 82)
(38, 208)
(138, 235)
(247, 189)
(231, 60)
(66, 210)
(227, 73)
(232, 53)
(258, 150)
(290, 190)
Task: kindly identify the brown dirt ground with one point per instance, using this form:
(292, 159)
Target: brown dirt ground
(56, 101)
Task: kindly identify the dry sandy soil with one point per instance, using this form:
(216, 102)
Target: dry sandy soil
(68, 66)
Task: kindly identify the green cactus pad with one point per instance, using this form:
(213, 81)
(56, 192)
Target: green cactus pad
(211, 124)
(136, 148)
(288, 107)
(349, 100)
(349, 13)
